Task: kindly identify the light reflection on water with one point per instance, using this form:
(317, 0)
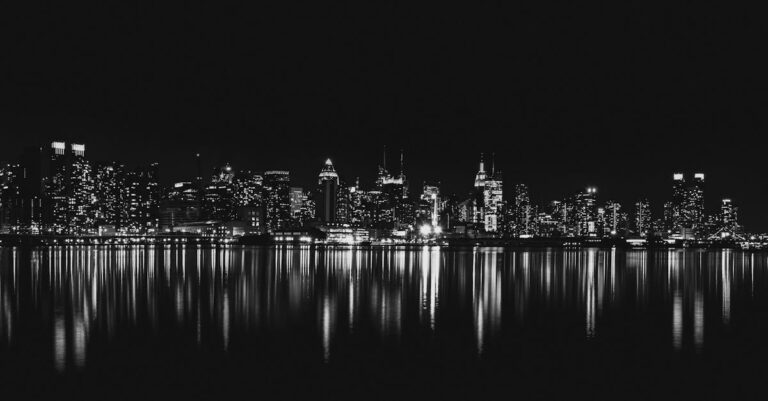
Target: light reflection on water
(219, 295)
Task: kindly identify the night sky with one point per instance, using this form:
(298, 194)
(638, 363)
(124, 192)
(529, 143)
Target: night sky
(567, 94)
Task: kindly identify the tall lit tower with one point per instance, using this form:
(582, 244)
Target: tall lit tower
(677, 212)
(695, 204)
(642, 218)
(277, 188)
(327, 191)
(729, 216)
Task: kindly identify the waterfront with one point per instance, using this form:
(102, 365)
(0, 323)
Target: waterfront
(150, 321)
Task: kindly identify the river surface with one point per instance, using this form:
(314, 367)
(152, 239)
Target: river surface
(152, 322)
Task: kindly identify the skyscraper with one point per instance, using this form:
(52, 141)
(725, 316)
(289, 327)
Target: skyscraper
(687, 207)
(327, 193)
(585, 206)
(80, 191)
(642, 220)
(277, 189)
(729, 222)
(522, 213)
(488, 200)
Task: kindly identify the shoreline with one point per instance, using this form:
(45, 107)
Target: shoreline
(265, 240)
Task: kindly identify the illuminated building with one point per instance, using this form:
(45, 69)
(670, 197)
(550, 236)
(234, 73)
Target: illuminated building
(686, 214)
(80, 211)
(612, 220)
(142, 200)
(642, 218)
(522, 217)
(492, 202)
(10, 199)
(327, 193)
(55, 182)
(695, 203)
(343, 204)
(729, 221)
(390, 203)
(110, 188)
(249, 189)
(586, 213)
(358, 215)
(180, 206)
(297, 201)
(430, 205)
(219, 201)
(488, 198)
(277, 190)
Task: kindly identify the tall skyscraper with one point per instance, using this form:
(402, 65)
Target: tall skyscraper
(585, 206)
(729, 222)
(613, 220)
(297, 201)
(327, 193)
(277, 188)
(81, 197)
(687, 207)
(642, 220)
(488, 200)
(522, 213)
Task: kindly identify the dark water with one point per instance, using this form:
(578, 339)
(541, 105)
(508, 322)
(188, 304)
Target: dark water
(431, 323)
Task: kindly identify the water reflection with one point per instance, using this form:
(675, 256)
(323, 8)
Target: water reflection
(222, 296)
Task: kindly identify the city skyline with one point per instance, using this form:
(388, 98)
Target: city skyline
(57, 188)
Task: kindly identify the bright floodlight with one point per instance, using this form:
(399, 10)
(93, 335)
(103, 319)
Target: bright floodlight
(438, 229)
(425, 230)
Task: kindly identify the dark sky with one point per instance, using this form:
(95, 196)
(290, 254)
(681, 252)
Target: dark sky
(567, 94)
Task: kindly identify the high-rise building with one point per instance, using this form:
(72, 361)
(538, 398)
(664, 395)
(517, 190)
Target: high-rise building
(488, 198)
(327, 194)
(249, 189)
(142, 200)
(180, 205)
(585, 208)
(612, 219)
(695, 203)
(729, 222)
(297, 201)
(218, 199)
(81, 195)
(522, 215)
(277, 189)
(686, 217)
(390, 200)
(642, 218)
(110, 187)
(430, 205)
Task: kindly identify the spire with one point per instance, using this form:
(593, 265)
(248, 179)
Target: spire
(384, 160)
(328, 172)
(481, 176)
(493, 164)
(402, 164)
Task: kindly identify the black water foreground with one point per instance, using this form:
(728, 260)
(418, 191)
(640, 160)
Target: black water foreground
(153, 322)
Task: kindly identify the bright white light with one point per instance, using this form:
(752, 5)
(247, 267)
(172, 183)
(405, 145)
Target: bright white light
(438, 230)
(425, 230)
(677, 176)
(698, 176)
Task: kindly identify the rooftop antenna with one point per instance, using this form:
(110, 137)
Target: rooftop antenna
(385, 158)
(493, 163)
